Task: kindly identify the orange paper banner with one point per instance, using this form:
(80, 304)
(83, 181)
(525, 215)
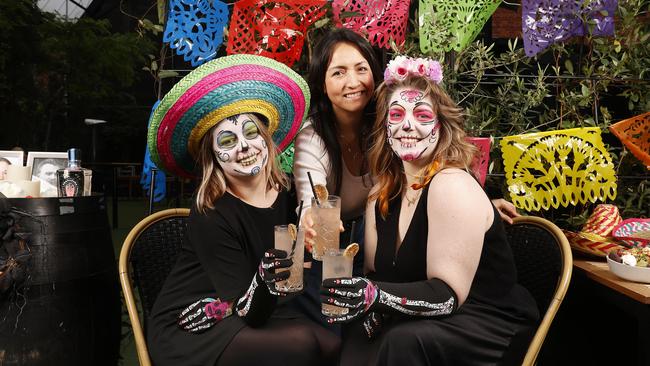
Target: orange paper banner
(634, 133)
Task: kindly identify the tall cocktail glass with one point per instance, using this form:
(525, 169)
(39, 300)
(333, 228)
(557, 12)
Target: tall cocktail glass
(327, 220)
(284, 242)
(336, 264)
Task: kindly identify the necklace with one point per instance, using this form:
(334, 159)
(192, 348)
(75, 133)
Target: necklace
(412, 200)
(348, 146)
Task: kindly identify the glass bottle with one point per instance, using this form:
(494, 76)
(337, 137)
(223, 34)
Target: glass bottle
(74, 180)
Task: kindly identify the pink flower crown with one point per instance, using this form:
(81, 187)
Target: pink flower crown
(401, 67)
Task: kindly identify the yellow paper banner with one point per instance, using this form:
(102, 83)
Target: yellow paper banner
(549, 169)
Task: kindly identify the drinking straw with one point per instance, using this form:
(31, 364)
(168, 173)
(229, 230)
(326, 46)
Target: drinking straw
(313, 190)
(352, 232)
(293, 245)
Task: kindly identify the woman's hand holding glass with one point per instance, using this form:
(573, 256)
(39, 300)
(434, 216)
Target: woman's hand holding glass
(274, 260)
(358, 294)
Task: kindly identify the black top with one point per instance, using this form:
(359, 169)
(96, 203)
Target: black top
(495, 281)
(220, 254)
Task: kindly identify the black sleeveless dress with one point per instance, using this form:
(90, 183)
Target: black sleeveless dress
(497, 312)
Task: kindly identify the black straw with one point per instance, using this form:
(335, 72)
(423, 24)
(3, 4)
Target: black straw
(293, 245)
(352, 232)
(313, 190)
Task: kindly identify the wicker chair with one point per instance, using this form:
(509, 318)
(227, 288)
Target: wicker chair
(147, 256)
(544, 264)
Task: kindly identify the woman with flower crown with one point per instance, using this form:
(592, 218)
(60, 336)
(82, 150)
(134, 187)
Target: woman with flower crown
(440, 284)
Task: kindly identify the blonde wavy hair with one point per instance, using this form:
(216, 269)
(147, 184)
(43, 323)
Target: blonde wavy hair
(452, 149)
(213, 181)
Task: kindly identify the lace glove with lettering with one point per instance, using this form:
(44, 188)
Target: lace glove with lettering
(258, 302)
(203, 314)
(360, 295)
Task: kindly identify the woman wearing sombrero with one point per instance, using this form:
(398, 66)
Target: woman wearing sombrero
(225, 122)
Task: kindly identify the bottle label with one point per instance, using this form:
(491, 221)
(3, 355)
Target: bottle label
(71, 183)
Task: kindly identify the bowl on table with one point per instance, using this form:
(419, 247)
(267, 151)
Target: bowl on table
(630, 273)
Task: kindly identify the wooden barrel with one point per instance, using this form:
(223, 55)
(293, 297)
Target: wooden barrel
(69, 312)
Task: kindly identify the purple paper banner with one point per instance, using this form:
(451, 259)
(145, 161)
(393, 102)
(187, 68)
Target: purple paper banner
(545, 22)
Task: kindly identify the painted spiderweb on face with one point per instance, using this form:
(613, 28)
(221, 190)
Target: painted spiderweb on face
(195, 28)
(634, 133)
(272, 29)
(480, 163)
(545, 22)
(452, 24)
(549, 169)
(380, 20)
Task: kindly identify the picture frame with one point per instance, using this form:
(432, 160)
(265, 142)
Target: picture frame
(44, 166)
(14, 157)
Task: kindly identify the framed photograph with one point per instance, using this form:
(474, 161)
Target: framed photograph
(44, 166)
(14, 157)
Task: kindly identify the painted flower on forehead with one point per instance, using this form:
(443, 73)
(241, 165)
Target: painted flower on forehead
(401, 67)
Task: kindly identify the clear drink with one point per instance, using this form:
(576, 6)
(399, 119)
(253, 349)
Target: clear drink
(327, 217)
(335, 264)
(283, 241)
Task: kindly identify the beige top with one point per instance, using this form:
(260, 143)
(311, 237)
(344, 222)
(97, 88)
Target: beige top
(311, 156)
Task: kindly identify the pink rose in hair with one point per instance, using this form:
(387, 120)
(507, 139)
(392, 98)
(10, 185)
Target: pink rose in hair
(421, 68)
(435, 72)
(399, 69)
(401, 72)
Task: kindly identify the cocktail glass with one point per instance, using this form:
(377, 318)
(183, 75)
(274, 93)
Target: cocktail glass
(335, 264)
(327, 220)
(284, 242)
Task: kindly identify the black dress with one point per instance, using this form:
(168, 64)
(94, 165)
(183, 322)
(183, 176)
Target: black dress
(219, 257)
(496, 313)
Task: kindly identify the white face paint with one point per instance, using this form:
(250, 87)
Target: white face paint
(239, 146)
(412, 126)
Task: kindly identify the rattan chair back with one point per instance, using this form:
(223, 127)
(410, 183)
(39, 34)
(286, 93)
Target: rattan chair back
(147, 256)
(544, 263)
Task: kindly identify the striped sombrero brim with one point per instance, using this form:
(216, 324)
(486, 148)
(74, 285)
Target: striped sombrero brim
(222, 88)
(592, 244)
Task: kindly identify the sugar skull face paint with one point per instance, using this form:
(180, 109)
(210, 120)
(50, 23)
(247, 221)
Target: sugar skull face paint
(412, 126)
(239, 146)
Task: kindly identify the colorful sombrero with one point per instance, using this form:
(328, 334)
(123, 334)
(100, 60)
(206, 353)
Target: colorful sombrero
(595, 237)
(219, 89)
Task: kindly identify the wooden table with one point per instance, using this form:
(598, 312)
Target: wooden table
(631, 297)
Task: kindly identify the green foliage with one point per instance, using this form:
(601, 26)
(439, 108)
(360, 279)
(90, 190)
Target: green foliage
(54, 73)
(587, 81)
